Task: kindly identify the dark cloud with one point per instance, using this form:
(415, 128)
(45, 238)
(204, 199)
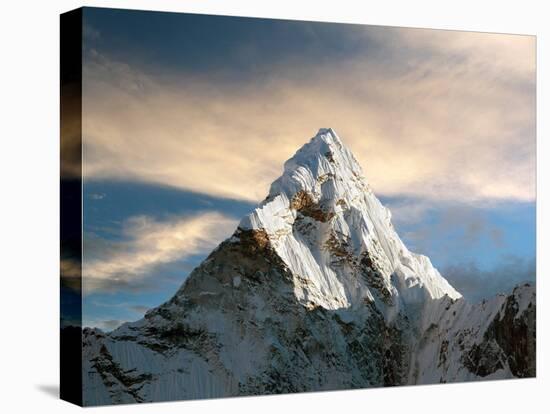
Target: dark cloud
(476, 284)
(241, 46)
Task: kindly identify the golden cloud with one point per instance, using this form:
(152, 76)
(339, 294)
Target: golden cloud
(436, 114)
(148, 243)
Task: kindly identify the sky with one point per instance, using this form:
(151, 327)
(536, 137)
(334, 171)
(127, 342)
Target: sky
(187, 119)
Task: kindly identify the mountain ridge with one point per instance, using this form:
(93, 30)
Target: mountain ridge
(323, 182)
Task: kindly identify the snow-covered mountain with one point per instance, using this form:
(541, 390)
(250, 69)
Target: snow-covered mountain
(314, 291)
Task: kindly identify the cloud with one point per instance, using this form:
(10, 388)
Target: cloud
(70, 269)
(429, 114)
(407, 211)
(90, 32)
(105, 325)
(132, 307)
(450, 228)
(97, 196)
(477, 284)
(71, 132)
(146, 244)
(139, 309)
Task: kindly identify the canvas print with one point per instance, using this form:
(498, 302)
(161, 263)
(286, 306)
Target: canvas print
(260, 206)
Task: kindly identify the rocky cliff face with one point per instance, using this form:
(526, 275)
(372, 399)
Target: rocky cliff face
(313, 291)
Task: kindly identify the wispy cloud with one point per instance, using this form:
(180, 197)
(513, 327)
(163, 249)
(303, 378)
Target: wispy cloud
(139, 309)
(434, 115)
(97, 196)
(122, 305)
(90, 32)
(147, 243)
(106, 325)
(405, 211)
(450, 229)
(131, 310)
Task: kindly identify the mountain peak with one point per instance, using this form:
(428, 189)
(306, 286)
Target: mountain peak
(323, 220)
(323, 171)
(323, 154)
(326, 136)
